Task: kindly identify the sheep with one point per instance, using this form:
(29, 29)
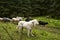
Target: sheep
(20, 18)
(6, 19)
(1, 19)
(17, 19)
(28, 25)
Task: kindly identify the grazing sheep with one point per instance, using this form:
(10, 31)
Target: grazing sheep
(20, 18)
(6, 19)
(1, 19)
(27, 25)
(17, 19)
(42, 23)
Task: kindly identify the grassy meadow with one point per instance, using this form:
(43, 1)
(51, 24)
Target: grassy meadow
(51, 31)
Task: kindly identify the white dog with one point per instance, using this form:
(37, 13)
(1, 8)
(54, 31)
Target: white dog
(27, 25)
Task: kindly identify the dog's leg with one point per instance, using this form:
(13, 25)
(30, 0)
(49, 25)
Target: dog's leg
(31, 33)
(28, 34)
(19, 28)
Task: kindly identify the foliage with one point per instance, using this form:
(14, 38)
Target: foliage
(15, 8)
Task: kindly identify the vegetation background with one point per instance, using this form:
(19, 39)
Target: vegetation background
(13, 8)
(34, 8)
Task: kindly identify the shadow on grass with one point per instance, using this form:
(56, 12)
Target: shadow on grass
(56, 28)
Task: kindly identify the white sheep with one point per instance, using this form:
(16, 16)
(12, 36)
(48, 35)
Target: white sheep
(1, 19)
(17, 19)
(28, 25)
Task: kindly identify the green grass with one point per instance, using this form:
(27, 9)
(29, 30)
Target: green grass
(52, 22)
(8, 31)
